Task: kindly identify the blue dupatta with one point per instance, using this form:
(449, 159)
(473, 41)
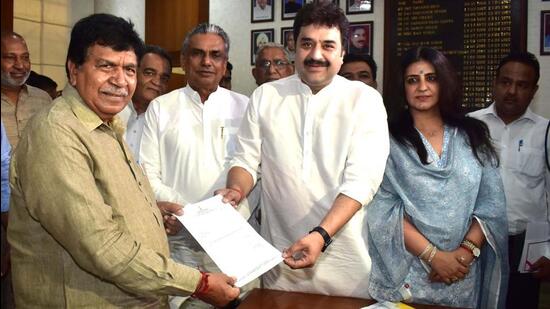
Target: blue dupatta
(441, 199)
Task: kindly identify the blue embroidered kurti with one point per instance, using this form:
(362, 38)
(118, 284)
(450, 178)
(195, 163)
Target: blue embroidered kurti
(441, 199)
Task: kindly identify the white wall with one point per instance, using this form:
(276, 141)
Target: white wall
(541, 102)
(234, 17)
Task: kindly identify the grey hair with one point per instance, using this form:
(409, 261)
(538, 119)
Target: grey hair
(205, 28)
(272, 45)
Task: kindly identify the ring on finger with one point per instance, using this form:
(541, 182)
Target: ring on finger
(462, 259)
(454, 279)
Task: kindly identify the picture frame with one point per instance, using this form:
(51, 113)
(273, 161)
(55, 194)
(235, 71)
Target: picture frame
(359, 6)
(545, 32)
(261, 11)
(337, 2)
(287, 40)
(259, 37)
(360, 39)
(289, 8)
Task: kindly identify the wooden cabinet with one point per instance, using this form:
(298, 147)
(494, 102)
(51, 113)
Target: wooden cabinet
(166, 24)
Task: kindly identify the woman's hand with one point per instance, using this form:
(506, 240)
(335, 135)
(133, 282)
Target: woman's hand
(450, 266)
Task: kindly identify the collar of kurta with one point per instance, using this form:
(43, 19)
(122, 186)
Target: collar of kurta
(196, 98)
(307, 90)
(81, 110)
(529, 115)
(24, 92)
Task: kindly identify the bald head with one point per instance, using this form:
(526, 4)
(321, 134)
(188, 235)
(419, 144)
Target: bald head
(16, 64)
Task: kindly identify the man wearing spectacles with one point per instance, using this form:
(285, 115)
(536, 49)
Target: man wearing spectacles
(153, 74)
(272, 63)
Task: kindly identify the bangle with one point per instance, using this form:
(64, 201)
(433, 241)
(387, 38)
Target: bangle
(202, 287)
(241, 195)
(432, 254)
(426, 250)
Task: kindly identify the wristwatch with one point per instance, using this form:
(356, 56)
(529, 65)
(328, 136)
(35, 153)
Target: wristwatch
(324, 234)
(471, 247)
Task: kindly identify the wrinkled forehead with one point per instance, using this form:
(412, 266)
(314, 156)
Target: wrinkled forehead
(97, 51)
(13, 42)
(517, 69)
(207, 42)
(270, 53)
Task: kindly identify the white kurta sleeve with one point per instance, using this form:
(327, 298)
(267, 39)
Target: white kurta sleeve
(150, 156)
(249, 141)
(368, 151)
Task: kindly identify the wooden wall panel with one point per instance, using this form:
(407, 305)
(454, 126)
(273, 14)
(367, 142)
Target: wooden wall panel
(7, 15)
(167, 22)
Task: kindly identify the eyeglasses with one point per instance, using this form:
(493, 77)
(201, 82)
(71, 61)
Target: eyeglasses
(277, 63)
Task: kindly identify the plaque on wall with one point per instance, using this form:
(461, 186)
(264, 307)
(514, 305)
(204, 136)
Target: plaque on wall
(474, 35)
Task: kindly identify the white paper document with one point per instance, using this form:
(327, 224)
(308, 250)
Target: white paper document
(229, 240)
(537, 244)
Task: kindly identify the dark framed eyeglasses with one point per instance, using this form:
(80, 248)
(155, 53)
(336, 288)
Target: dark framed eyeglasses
(277, 63)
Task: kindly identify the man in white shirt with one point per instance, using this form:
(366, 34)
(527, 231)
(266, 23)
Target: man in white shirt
(152, 79)
(262, 10)
(322, 142)
(189, 134)
(519, 136)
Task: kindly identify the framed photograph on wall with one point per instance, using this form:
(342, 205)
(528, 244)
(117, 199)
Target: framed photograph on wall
(359, 6)
(337, 2)
(261, 11)
(545, 32)
(287, 40)
(289, 8)
(360, 38)
(257, 39)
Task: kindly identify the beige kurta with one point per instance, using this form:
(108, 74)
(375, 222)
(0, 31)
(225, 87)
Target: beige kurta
(84, 226)
(15, 115)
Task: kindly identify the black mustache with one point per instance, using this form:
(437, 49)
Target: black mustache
(310, 61)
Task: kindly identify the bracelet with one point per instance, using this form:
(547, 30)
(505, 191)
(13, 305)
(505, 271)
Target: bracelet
(426, 250)
(202, 287)
(241, 195)
(432, 254)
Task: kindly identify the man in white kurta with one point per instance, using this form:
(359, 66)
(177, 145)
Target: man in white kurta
(322, 142)
(189, 134)
(186, 142)
(152, 79)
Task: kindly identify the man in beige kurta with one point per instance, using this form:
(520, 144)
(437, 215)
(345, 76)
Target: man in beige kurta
(84, 228)
(19, 101)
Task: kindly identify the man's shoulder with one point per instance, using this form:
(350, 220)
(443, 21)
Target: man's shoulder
(170, 96)
(289, 84)
(539, 119)
(237, 97)
(38, 94)
(480, 113)
(57, 116)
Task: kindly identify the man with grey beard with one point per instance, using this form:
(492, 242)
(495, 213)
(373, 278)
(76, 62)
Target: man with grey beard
(19, 101)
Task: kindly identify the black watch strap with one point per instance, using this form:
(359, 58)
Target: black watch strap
(324, 234)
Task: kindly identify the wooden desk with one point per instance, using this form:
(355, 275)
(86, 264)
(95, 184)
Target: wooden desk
(272, 299)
